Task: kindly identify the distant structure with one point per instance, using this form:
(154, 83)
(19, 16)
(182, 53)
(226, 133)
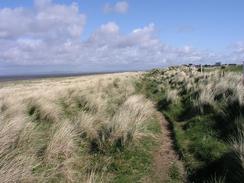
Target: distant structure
(218, 64)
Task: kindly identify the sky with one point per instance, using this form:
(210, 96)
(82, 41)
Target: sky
(65, 36)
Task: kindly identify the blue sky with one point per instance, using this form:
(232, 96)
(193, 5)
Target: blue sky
(117, 35)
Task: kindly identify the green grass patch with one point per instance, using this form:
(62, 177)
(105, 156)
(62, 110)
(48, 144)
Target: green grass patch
(196, 134)
(174, 174)
(133, 163)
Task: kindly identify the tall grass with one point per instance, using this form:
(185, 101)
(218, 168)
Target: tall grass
(204, 108)
(128, 123)
(237, 141)
(70, 130)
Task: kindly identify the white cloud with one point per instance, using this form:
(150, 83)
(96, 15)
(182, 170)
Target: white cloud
(44, 20)
(238, 47)
(49, 35)
(119, 7)
(106, 47)
(237, 52)
(110, 27)
(42, 3)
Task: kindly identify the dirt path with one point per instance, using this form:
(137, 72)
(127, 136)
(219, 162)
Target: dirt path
(167, 165)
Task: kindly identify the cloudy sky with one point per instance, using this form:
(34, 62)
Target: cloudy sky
(64, 36)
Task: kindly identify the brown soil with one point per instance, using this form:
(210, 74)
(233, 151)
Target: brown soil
(166, 157)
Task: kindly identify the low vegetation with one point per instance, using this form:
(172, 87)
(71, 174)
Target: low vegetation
(106, 129)
(206, 111)
(87, 129)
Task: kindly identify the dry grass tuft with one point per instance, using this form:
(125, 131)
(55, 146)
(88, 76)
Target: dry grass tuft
(172, 96)
(49, 128)
(9, 133)
(62, 144)
(17, 170)
(43, 110)
(128, 123)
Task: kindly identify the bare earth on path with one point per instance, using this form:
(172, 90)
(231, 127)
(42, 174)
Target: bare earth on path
(165, 158)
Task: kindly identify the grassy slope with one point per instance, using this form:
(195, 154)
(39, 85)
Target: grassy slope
(198, 136)
(65, 136)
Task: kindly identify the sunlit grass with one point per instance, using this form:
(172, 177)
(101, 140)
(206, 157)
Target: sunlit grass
(203, 108)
